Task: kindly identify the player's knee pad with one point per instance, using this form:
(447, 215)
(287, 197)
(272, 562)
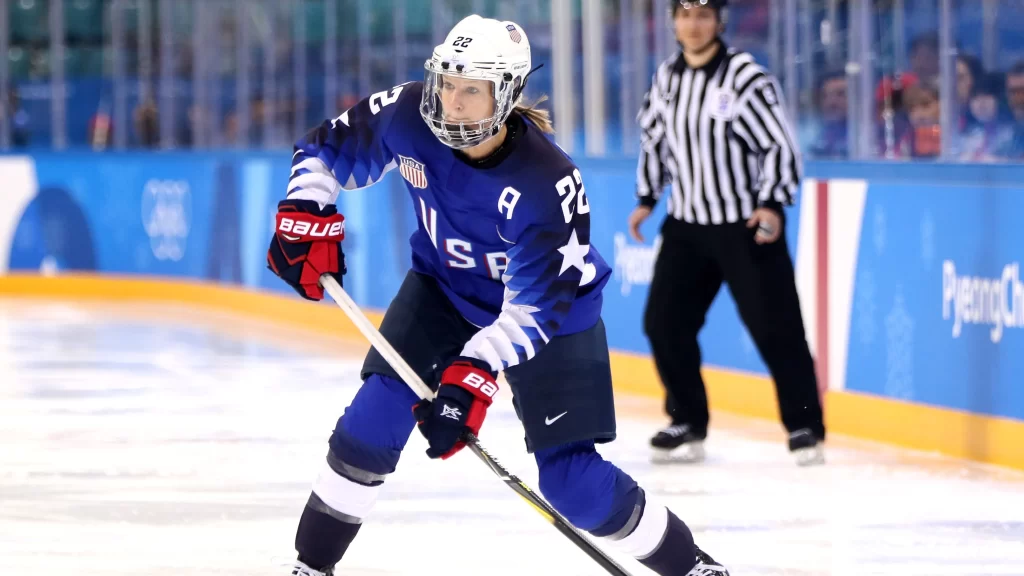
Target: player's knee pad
(364, 449)
(375, 427)
(592, 493)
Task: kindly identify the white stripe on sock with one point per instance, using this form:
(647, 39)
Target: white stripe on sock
(649, 533)
(344, 495)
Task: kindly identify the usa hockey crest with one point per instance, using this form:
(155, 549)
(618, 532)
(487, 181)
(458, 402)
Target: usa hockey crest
(413, 172)
(514, 34)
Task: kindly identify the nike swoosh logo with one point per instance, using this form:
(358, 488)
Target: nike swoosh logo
(550, 421)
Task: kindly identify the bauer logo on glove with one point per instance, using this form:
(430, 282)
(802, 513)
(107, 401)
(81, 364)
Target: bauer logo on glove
(294, 231)
(486, 387)
(307, 244)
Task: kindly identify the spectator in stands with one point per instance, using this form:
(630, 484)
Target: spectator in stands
(989, 132)
(231, 130)
(924, 57)
(147, 128)
(18, 119)
(1014, 148)
(968, 73)
(922, 101)
(894, 134)
(199, 129)
(101, 126)
(827, 131)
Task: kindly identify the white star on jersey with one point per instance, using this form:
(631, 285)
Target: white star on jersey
(573, 254)
(496, 344)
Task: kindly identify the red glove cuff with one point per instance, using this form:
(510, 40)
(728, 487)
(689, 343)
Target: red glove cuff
(476, 381)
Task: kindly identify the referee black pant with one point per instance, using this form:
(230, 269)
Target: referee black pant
(693, 262)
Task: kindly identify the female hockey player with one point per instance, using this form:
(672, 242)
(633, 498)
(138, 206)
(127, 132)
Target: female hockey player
(503, 279)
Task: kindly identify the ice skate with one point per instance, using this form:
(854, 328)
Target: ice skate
(706, 566)
(677, 443)
(300, 569)
(806, 448)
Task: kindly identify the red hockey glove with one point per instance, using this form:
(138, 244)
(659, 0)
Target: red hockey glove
(466, 391)
(307, 243)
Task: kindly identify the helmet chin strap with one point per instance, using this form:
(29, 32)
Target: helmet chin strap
(519, 91)
(516, 93)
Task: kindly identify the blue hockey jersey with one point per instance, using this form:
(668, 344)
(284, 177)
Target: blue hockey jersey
(508, 243)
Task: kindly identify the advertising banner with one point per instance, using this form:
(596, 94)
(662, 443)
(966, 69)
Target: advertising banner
(924, 287)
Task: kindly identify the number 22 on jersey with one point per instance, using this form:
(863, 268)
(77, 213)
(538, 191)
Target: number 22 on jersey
(568, 190)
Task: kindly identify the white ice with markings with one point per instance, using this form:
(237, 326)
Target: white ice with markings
(146, 442)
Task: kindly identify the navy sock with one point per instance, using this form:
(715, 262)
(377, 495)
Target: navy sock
(677, 554)
(322, 539)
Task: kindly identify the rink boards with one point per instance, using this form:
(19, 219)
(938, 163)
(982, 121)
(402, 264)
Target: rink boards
(909, 275)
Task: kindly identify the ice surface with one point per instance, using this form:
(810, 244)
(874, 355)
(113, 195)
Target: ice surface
(156, 441)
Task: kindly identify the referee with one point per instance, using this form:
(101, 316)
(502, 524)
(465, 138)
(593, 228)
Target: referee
(714, 131)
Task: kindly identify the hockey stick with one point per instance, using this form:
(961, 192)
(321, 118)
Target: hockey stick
(413, 380)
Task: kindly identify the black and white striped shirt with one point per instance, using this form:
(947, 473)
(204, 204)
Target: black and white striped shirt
(720, 136)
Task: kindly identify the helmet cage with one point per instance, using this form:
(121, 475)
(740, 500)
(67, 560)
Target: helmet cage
(459, 135)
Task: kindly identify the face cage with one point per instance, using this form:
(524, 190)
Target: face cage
(463, 134)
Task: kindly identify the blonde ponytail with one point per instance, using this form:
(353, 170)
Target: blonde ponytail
(539, 117)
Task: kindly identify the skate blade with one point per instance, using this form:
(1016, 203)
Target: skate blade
(689, 453)
(812, 456)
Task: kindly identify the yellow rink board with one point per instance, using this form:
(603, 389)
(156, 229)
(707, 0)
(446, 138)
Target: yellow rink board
(950, 432)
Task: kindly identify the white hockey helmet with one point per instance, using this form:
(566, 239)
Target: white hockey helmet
(476, 49)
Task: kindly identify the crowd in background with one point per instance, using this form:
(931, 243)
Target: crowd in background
(989, 118)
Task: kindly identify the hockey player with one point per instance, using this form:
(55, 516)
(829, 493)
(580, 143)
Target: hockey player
(503, 279)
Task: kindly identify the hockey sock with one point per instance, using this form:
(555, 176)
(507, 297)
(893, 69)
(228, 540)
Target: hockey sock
(323, 538)
(598, 497)
(364, 448)
(658, 539)
(673, 553)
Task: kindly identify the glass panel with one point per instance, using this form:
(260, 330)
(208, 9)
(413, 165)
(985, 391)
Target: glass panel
(824, 91)
(273, 104)
(1009, 57)
(309, 36)
(990, 43)
(756, 26)
(628, 74)
(8, 102)
(906, 97)
(176, 31)
(535, 17)
(347, 42)
(29, 65)
(139, 17)
(228, 115)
